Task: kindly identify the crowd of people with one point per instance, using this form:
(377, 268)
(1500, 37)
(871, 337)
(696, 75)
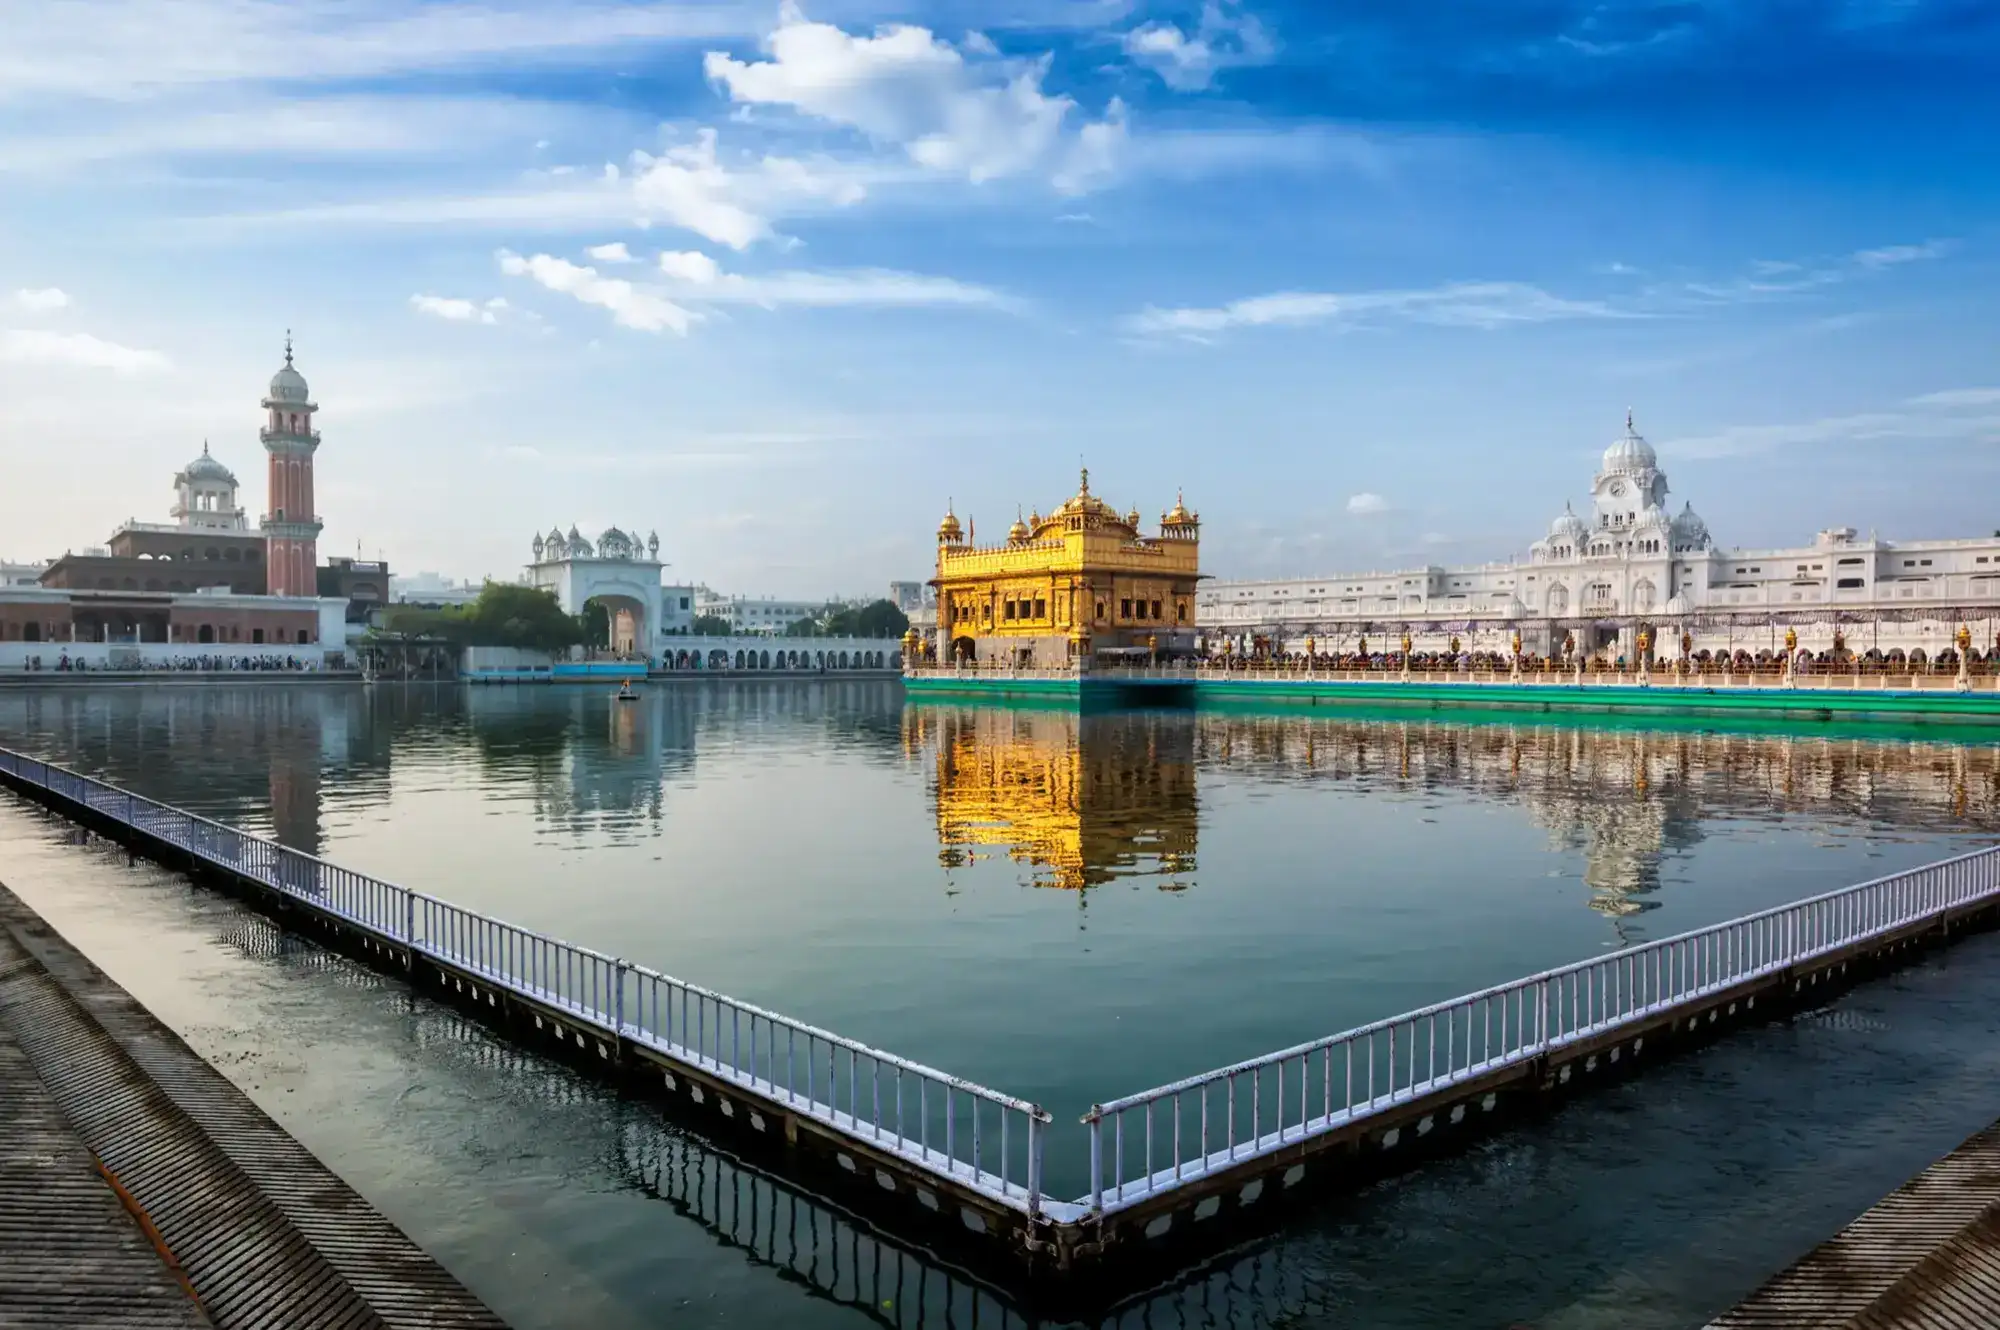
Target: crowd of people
(64, 663)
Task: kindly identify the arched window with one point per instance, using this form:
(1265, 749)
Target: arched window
(763, 660)
(303, 637)
(32, 633)
(1558, 599)
(205, 633)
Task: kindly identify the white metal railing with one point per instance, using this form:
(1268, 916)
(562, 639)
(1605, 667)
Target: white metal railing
(1139, 1146)
(950, 1127)
(1183, 1131)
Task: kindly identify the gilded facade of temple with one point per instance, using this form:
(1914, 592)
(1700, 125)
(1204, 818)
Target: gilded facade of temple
(1078, 585)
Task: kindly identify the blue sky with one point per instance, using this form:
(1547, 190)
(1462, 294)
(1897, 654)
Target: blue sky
(1373, 282)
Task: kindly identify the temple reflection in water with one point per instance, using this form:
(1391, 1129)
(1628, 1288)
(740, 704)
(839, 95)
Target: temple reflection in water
(1084, 800)
(1079, 800)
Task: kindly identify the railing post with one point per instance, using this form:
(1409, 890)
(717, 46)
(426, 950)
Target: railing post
(1096, 1120)
(618, 1001)
(410, 920)
(1037, 1137)
(1542, 1039)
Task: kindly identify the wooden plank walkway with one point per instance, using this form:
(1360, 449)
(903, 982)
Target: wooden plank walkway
(265, 1235)
(1926, 1257)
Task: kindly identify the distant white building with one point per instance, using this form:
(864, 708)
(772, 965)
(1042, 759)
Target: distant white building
(917, 601)
(1628, 563)
(757, 614)
(619, 572)
(429, 588)
(21, 574)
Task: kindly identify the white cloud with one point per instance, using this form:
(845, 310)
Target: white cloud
(35, 347)
(42, 300)
(983, 118)
(689, 187)
(1889, 256)
(692, 279)
(1953, 415)
(1458, 305)
(1771, 278)
(81, 136)
(455, 310)
(630, 306)
(1189, 61)
(123, 49)
(1958, 397)
(690, 266)
(876, 287)
(1366, 504)
(615, 252)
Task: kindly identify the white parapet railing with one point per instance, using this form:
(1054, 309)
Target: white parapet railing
(1220, 1119)
(944, 1125)
(1140, 1146)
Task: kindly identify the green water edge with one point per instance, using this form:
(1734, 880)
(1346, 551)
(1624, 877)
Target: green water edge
(1971, 717)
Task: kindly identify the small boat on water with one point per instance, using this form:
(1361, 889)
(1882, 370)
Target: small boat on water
(625, 693)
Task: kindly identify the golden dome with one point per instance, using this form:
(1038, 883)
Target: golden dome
(1132, 519)
(949, 531)
(1087, 506)
(1018, 532)
(1179, 514)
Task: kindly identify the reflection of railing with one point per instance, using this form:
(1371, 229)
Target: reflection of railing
(935, 1123)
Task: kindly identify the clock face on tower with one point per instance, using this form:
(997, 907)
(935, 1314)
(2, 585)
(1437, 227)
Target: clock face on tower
(1617, 489)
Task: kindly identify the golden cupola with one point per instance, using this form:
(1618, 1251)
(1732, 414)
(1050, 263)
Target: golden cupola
(949, 531)
(1017, 534)
(1178, 521)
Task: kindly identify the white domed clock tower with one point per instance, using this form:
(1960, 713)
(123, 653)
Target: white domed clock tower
(1629, 481)
(291, 526)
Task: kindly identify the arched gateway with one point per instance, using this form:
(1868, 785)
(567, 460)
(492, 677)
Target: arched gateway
(618, 571)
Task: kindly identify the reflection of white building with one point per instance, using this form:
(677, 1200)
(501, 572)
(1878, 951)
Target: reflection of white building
(1627, 560)
(622, 574)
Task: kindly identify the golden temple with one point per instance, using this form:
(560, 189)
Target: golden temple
(1065, 589)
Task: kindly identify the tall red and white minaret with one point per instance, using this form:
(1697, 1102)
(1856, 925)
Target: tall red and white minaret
(291, 527)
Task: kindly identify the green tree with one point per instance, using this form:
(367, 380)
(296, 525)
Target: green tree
(596, 624)
(802, 628)
(878, 619)
(503, 616)
(711, 625)
(520, 616)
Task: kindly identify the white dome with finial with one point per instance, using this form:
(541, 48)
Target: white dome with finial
(1689, 529)
(206, 467)
(1630, 454)
(1569, 527)
(288, 385)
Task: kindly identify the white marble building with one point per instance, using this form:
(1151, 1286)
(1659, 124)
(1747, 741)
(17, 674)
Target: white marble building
(762, 615)
(1628, 561)
(623, 574)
